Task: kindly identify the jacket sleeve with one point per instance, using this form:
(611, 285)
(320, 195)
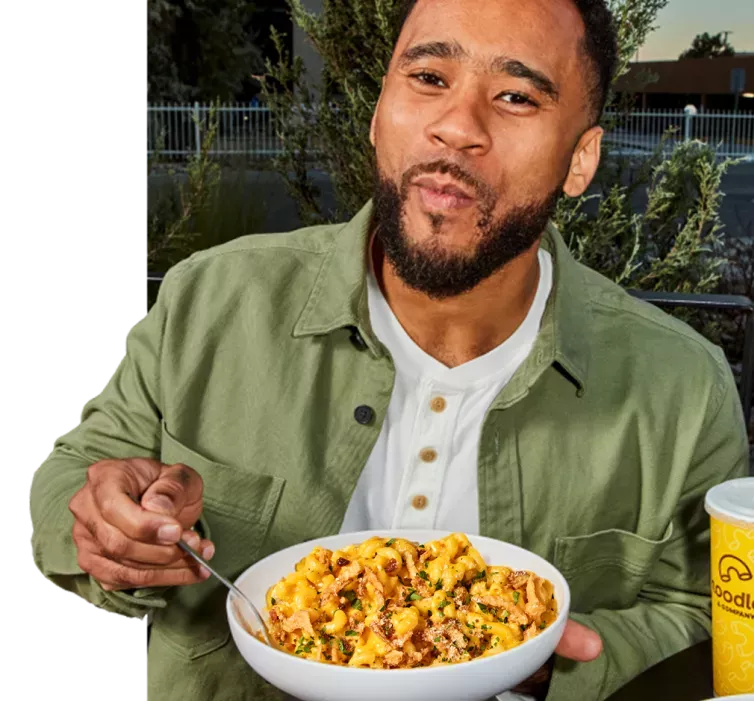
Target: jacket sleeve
(673, 609)
(123, 421)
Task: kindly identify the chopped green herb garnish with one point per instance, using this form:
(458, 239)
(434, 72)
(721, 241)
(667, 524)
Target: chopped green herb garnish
(438, 584)
(351, 632)
(516, 596)
(414, 596)
(390, 542)
(388, 614)
(438, 639)
(342, 647)
(304, 645)
(272, 599)
(480, 575)
(482, 608)
(356, 603)
(542, 625)
(522, 626)
(505, 617)
(383, 607)
(424, 576)
(350, 595)
(443, 604)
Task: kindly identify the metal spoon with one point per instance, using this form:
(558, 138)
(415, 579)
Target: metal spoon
(240, 601)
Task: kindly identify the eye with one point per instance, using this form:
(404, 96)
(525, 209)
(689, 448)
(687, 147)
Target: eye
(518, 99)
(428, 78)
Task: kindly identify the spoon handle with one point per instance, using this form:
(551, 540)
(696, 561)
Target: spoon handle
(202, 561)
(235, 590)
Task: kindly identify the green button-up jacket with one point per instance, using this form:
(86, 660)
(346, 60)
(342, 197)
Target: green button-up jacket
(596, 455)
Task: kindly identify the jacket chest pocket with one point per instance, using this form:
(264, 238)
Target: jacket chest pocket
(239, 506)
(607, 569)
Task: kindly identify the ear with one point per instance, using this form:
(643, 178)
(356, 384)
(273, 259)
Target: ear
(373, 125)
(584, 162)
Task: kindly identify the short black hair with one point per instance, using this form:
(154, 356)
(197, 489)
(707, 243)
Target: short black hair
(600, 46)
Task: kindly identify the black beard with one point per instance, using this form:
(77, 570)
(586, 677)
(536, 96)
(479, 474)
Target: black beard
(440, 274)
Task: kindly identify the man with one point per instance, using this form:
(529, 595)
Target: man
(440, 361)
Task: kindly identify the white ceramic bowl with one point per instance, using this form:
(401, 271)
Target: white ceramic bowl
(476, 680)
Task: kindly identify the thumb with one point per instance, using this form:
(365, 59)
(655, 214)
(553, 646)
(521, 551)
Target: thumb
(167, 494)
(579, 643)
(159, 499)
(176, 493)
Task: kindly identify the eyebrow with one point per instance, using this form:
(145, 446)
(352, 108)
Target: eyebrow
(501, 64)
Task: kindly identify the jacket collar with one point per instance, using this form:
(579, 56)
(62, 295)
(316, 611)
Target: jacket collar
(338, 300)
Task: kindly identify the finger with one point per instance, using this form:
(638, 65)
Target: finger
(579, 643)
(205, 548)
(113, 501)
(177, 493)
(114, 576)
(116, 546)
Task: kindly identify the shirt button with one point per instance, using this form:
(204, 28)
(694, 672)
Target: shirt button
(438, 404)
(363, 414)
(358, 342)
(419, 501)
(428, 454)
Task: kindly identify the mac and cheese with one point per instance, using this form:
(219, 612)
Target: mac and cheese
(393, 603)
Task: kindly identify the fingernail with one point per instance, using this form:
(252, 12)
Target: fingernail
(594, 646)
(161, 504)
(169, 533)
(208, 552)
(204, 572)
(191, 539)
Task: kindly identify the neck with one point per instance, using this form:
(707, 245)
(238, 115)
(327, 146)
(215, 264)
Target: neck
(458, 329)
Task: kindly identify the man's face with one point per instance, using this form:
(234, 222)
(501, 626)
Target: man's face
(475, 130)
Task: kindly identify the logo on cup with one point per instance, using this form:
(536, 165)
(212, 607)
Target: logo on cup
(730, 564)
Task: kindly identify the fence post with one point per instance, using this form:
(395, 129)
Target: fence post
(197, 130)
(690, 112)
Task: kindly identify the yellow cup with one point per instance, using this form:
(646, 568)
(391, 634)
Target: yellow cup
(731, 509)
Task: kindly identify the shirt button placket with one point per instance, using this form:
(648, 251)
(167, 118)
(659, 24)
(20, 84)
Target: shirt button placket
(430, 464)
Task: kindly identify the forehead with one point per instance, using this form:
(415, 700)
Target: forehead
(545, 34)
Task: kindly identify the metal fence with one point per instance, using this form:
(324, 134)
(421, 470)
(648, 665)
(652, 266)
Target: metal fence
(640, 133)
(175, 133)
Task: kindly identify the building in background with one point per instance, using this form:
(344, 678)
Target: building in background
(725, 83)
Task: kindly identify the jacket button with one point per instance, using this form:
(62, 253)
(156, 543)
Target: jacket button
(364, 414)
(358, 342)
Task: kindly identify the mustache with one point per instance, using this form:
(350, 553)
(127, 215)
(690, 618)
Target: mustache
(444, 167)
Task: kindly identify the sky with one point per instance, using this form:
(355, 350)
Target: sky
(682, 20)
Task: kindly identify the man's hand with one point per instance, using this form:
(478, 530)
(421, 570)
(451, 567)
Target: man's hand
(578, 643)
(128, 517)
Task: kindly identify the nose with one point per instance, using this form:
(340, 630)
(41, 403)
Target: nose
(461, 127)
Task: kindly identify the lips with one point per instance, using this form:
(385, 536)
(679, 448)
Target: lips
(442, 186)
(442, 194)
